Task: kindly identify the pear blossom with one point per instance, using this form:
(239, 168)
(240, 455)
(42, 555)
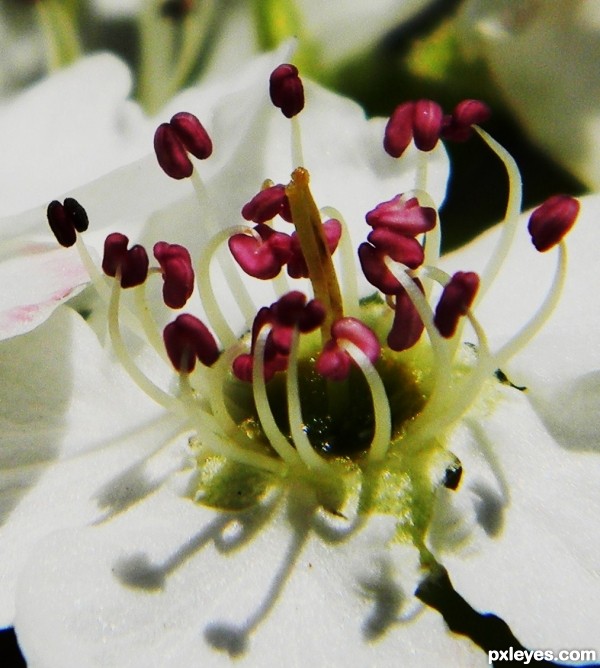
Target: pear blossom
(543, 56)
(279, 472)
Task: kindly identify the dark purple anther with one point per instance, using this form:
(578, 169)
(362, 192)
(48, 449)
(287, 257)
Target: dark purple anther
(192, 134)
(267, 204)
(549, 223)
(66, 220)
(333, 363)
(188, 339)
(403, 216)
(171, 153)
(174, 140)
(132, 264)
(398, 247)
(359, 334)
(372, 262)
(297, 268)
(261, 257)
(407, 326)
(286, 90)
(76, 214)
(177, 272)
(457, 297)
(427, 124)
(458, 126)
(399, 130)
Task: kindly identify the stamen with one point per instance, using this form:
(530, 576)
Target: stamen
(551, 221)
(404, 215)
(188, 339)
(381, 407)
(174, 140)
(286, 90)
(177, 273)
(511, 216)
(427, 124)
(268, 203)
(138, 377)
(297, 427)
(399, 130)
(130, 265)
(262, 254)
(536, 323)
(456, 299)
(66, 220)
(276, 439)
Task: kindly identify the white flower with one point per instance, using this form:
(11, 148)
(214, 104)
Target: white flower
(182, 526)
(543, 56)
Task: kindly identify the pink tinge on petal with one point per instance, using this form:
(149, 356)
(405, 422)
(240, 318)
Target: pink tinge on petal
(36, 279)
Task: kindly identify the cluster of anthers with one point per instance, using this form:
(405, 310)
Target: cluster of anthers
(345, 396)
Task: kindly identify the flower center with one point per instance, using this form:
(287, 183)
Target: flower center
(351, 398)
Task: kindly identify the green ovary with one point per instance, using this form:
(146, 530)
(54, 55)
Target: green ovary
(339, 422)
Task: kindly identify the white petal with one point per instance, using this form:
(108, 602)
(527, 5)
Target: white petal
(165, 584)
(561, 366)
(539, 569)
(64, 131)
(69, 453)
(35, 279)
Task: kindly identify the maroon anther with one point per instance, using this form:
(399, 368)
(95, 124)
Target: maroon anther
(292, 310)
(458, 126)
(177, 272)
(457, 297)
(359, 334)
(297, 268)
(66, 220)
(404, 216)
(399, 130)
(427, 124)
(407, 326)
(261, 257)
(398, 247)
(188, 339)
(334, 362)
(131, 265)
(267, 204)
(286, 90)
(289, 311)
(549, 223)
(372, 262)
(174, 140)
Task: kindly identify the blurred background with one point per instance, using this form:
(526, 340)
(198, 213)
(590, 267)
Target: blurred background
(533, 61)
